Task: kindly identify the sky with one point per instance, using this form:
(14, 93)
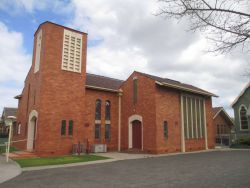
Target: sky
(123, 36)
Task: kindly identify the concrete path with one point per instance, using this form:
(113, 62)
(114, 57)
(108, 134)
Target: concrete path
(8, 170)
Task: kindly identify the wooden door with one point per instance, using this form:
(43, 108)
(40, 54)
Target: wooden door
(136, 135)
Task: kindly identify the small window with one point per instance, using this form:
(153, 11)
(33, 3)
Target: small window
(71, 125)
(243, 118)
(107, 110)
(98, 105)
(135, 90)
(34, 99)
(19, 129)
(97, 131)
(165, 129)
(107, 132)
(63, 128)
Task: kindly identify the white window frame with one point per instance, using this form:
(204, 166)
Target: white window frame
(242, 105)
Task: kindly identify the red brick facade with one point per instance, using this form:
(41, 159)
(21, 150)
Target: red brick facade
(53, 95)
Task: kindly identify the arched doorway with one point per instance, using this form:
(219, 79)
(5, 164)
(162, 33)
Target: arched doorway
(32, 130)
(135, 132)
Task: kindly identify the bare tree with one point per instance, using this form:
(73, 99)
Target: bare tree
(224, 22)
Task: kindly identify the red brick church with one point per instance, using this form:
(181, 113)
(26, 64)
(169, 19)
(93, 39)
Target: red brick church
(62, 105)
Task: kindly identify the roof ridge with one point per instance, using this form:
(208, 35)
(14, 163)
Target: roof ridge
(146, 74)
(105, 77)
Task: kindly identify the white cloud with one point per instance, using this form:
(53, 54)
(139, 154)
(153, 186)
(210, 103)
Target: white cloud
(133, 38)
(14, 65)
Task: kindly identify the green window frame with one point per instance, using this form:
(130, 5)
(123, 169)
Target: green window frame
(165, 129)
(63, 128)
(98, 108)
(97, 131)
(107, 132)
(107, 109)
(71, 127)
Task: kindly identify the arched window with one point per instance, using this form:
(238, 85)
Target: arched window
(98, 105)
(243, 118)
(71, 125)
(107, 110)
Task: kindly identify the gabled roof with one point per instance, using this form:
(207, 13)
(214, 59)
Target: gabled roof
(218, 110)
(241, 93)
(7, 111)
(178, 85)
(102, 83)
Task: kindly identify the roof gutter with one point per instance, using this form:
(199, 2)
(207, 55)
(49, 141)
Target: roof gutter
(184, 89)
(102, 89)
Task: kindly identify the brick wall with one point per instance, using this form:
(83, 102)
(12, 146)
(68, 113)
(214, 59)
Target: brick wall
(168, 108)
(89, 132)
(144, 107)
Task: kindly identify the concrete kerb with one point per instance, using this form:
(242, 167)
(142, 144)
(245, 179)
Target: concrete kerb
(8, 170)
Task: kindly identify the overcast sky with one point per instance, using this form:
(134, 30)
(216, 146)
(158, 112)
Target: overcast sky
(123, 36)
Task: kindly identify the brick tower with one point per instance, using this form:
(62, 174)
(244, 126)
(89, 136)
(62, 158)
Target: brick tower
(51, 107)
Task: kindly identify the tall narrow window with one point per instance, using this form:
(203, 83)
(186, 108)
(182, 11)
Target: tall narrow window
(98, 105)
(97, 131)
(135, 90)
(63, 128)
(243, 118)
(34, 102)
(71, 126)
(38, 51)
(165, 129)
(19, 128)
(107, 110)
(107, 132)
(193, 116)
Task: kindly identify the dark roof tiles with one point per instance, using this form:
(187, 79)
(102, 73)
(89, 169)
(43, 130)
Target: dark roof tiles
(103, 82)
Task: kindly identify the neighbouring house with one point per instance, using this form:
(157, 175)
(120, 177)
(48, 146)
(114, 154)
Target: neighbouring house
(62, 105)
(7, 111)
(241, 106)
(223, 125)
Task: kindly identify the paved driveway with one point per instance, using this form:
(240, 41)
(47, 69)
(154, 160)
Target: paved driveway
(210, 169)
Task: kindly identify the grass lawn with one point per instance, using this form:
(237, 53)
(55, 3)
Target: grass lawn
(43, 161)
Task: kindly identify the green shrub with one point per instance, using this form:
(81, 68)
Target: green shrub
(244, 140)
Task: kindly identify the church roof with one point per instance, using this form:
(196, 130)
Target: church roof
(178, 85)
(102, 82)
(219, 110)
